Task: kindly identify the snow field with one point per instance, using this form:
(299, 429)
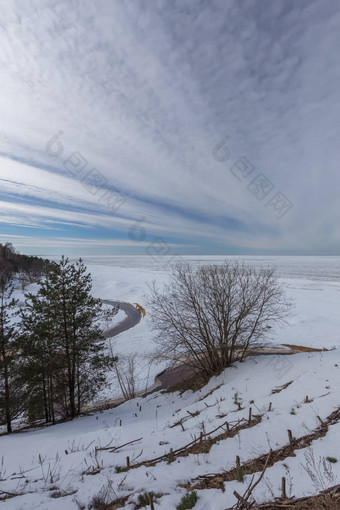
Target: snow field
(316, 323)
(313, 374)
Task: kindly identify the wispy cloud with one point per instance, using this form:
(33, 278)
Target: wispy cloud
(144, 91)
(78, 243)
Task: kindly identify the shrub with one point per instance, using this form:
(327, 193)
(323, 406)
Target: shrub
(120, 469)
(171, 456)
(188, 501)
(143, 499)
(239, 475)
(333, 460)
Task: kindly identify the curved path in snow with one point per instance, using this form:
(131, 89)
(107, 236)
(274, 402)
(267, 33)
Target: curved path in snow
(132, 319)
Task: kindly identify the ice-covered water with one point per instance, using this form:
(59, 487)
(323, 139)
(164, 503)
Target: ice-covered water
(314, 268)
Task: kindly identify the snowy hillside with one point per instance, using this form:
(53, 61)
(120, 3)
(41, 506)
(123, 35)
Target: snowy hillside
(67, 465)
(65, 461)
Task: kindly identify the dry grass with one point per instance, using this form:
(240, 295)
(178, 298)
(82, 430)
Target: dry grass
(302, 348)
(278, 389)
(217, 480)
(327, 500)
(194, 383)
(210, 392)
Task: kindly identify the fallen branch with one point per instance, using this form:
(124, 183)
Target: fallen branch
(10, 494)
(115, 448)
(251, 488)
(204, 441)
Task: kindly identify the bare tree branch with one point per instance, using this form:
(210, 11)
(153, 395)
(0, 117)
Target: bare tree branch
(211, 316)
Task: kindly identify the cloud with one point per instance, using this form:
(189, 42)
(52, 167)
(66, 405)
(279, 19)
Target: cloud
(145, 91)
(66, 242)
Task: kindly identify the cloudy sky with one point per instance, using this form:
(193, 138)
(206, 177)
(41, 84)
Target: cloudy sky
(191, 126)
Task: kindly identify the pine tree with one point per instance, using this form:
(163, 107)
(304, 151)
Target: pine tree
(79, 318)
(7, 334)
(39, 352)
(62, 342)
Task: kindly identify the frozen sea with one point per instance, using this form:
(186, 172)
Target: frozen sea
(314, 268)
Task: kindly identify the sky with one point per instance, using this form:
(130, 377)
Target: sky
(170, 126)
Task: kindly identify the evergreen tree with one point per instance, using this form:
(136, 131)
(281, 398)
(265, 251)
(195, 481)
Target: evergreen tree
(62, 342)
(7, 333)
(39, 352)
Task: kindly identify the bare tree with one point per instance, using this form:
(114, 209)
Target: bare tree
(125, 370)
(212, 315)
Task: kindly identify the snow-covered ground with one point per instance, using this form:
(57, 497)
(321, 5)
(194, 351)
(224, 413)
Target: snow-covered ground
(315, 321)
(61, 458)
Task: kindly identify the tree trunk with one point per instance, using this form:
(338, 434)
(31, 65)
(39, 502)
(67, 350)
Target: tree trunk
(4, 360)
(78, 388)
(50, 373)
(69, 367)
(7, 394)
(47, 416)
